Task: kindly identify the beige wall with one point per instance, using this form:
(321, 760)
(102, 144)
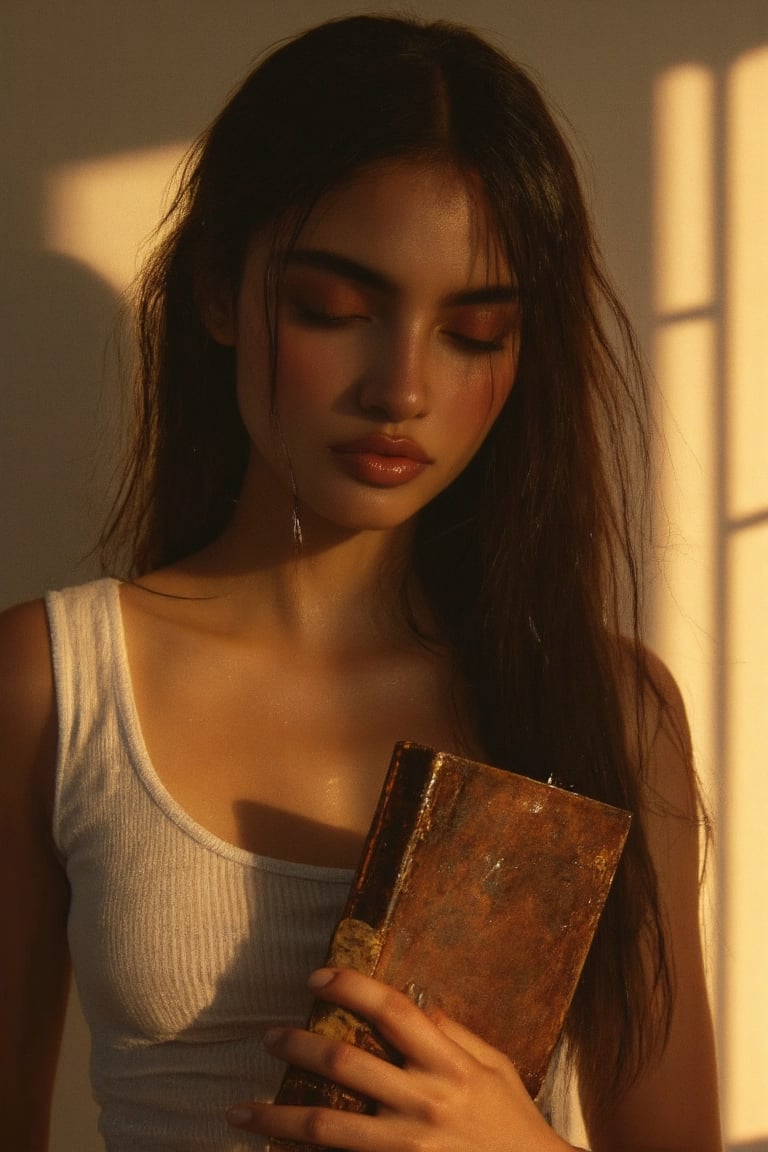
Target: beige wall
(668, 101)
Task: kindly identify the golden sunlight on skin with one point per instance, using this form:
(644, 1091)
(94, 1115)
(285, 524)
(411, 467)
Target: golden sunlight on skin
(399, 356)
(100, 212)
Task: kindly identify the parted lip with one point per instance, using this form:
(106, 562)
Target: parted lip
(378, 444)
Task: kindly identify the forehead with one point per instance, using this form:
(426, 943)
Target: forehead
(419, 224)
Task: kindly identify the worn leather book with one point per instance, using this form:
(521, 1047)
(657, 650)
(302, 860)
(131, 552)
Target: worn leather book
(480, 891)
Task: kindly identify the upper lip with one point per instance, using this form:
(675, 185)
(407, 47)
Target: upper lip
(379, 444)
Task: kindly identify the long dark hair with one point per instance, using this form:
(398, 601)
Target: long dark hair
(529, 558)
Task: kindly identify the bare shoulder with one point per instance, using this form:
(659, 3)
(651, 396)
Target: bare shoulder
(658, 735)
(25, 645)
(28, 727)
(670, 803)
(671, 807)
(27, 705)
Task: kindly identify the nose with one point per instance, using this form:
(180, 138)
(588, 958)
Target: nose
(394, 386)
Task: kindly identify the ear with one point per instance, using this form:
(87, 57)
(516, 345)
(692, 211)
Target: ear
(217, 308)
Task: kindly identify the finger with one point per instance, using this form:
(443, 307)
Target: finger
(327, 1127)
(471, 1043)
(352, 1067)
(398, 1020)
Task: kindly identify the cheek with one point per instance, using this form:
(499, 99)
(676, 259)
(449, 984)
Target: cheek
(314, 373)
(253, 385)
(502, 381)
(301, 380)
(477, 403)
(299, 392)
(300, 367)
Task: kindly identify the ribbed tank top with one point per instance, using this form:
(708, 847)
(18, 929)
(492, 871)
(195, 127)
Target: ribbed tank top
(185, 948)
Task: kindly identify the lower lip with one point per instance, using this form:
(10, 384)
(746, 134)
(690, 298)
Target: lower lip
(380, 471)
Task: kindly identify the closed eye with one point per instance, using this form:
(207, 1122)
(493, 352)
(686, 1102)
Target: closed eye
(483, 328)
(475, 344)
(321, 318)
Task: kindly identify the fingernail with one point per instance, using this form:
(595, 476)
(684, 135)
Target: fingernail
(418, 994)
(320, 978)
(239, 1114)
(271, 1036)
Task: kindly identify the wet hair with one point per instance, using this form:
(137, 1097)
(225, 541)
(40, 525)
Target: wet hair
(529, 559)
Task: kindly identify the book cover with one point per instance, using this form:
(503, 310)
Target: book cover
(482, 890)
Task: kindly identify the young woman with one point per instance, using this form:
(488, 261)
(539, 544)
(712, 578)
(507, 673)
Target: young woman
(380, 489)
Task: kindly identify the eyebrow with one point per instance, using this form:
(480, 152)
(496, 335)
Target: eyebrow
(370, 278)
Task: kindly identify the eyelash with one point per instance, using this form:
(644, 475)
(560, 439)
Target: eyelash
(469, 344)
(317, 319)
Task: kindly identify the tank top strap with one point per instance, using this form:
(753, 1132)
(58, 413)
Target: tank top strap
(84, 623)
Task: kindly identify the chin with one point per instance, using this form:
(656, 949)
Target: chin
(384, 518)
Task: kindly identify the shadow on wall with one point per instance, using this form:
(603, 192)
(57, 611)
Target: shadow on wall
(58, 396)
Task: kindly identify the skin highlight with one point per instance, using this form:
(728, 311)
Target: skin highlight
(409, 355)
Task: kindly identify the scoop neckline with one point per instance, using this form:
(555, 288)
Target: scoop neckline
(147, 774)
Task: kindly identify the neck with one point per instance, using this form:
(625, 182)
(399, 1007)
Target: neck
(335, 589)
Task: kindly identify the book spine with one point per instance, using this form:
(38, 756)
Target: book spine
(402, 809)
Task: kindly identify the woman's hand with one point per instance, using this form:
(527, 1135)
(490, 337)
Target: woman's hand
(454, 1092)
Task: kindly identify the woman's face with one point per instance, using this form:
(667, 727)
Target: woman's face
(398, 328)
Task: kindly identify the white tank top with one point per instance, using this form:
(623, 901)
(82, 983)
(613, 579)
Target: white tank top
(185, 948)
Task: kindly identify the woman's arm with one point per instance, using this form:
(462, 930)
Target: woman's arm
(674, 1104)
(34, 964)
